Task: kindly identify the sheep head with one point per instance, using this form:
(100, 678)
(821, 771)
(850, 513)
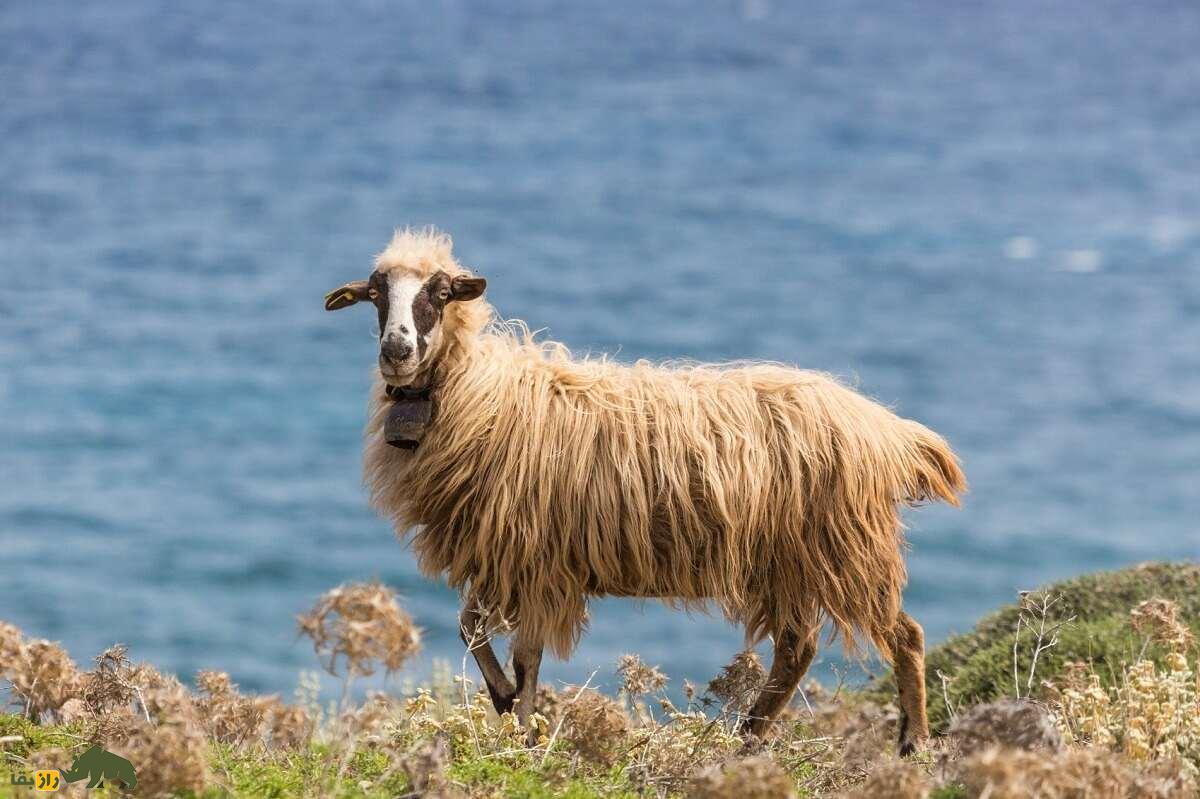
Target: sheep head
(414, 281)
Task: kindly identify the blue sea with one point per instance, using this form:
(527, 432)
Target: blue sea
(986, 215)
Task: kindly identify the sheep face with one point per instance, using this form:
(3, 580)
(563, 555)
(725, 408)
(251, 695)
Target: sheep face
(410, 305)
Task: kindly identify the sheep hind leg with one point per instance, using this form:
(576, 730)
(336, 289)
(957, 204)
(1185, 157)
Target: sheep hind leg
(472, 630)
(909, 662)
(791, 660)
(527, 658)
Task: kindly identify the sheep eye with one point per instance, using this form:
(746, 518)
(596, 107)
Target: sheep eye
(444, 295)
(373, 294)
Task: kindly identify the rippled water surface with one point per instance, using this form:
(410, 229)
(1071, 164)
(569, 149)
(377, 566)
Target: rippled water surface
(986, 216)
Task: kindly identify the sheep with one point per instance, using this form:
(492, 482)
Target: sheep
(543, 480)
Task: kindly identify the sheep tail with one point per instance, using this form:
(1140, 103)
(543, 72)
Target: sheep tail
(937, 474)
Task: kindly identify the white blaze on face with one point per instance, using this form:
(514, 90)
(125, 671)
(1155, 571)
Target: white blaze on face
(402, 290)
(413, 323)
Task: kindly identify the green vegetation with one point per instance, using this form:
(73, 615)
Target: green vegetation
(979, 664)
(1116, 666)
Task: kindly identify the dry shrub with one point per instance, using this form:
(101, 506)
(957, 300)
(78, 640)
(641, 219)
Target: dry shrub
(364, 624)
(739, 683)
(751, 778)
(842, 740)
(106, 687)
(1154, 714)
(1014, 723)
(11, 642)
(288, 726)
(637, 678)
(863, 734)
(165, 700)
(228, 716)
(592, 724)
(1076, 773)
(373, 714)
(547, 701)
(1158, 620)
(894, 779)
(164, 738)
(665, 756)
(469, 721)
(104, 705)
(425, 766)
(170, 757)
(52, 757)
(42, 674)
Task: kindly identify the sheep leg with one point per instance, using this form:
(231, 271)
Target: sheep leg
(792, 658)
(527, 658)
(909, 654)
(473, 633)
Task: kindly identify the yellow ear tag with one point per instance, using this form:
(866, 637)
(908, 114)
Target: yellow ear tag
(349, 295)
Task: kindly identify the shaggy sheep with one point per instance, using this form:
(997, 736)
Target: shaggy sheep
(542, 480)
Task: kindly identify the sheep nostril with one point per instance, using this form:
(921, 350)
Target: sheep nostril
(394, 350)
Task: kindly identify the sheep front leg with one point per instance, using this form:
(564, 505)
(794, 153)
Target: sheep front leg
(472, 630)
(792, 658)
(527, 658)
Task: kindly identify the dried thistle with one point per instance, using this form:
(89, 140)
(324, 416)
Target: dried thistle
(371, 717)
(868, 734)
(637, 678)
(739, 683)
(1015, 723)
(894, 779)
(364, 624)
(228, 716)
(669, 754)
(425, 766)
(172, 757)
(106, 688)
(547, 701)
(752, 778)
(593, 724)
(43, 677)
(165, 700)
(1158, 620)
(1074, 773)
(12, 641)
(288, 726)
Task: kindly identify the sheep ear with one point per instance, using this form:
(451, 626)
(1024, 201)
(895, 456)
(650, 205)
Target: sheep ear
(467, 288)
(346, 296)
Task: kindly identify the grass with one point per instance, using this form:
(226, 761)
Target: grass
(979, 663)
(314, 770)
(1119, 689)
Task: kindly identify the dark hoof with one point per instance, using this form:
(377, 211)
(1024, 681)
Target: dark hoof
(503, 704)
(907, 749)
